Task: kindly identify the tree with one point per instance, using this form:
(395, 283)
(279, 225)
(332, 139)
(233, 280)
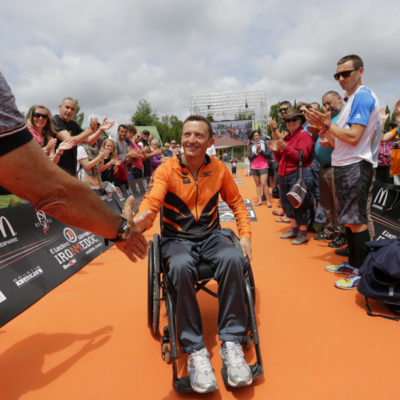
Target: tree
(79, 116)
(169, 128)
(144, 115)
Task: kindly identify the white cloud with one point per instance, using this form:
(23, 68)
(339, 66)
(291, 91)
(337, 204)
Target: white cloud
(110, 55)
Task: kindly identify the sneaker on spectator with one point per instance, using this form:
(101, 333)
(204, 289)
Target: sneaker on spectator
(350, 282)
(338, 241)
(344, 268)
(300, 239)
(322, 236)
(202, 378)
(289, 235)
(238, 371)
(343, 252)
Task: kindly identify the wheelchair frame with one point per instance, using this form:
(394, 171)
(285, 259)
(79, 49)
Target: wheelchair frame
(158, 291)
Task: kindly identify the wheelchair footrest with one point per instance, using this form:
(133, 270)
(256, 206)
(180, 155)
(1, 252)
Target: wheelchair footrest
(256, 370)
(182, 385)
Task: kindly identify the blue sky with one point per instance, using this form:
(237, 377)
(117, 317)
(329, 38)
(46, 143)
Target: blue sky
(109, 55)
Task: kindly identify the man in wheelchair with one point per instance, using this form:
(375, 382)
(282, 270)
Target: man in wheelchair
(187, 187)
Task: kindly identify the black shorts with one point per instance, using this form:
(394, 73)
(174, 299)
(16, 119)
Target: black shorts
(352, 183)
(258, 172)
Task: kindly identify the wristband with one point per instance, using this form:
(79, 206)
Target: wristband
(326, 126)
(124, 231)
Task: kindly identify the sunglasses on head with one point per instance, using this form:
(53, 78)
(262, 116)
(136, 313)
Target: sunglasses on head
(345, 74)
(282, 109)
(39, 115)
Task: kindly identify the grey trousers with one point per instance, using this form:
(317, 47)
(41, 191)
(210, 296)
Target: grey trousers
(228, 264)
(327, 200)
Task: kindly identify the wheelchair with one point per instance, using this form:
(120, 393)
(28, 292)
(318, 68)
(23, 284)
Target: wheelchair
(158, 291)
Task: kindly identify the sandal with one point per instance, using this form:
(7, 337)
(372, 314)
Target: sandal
(258, 203)
(278, 213)
(285, 220)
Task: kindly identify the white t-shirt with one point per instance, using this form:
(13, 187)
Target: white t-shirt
(362, 108)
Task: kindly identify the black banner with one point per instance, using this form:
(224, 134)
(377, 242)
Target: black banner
(385, 210)
(37, 252)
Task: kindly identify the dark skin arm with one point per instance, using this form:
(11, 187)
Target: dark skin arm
(28, 173)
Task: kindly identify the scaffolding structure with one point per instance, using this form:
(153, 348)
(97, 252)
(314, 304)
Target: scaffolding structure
(226, 106)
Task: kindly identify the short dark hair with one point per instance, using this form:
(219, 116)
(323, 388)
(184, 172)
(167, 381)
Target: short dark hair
(285, 102)
(200, 118)
(146, 132)
(252, 133)
(121, 126)
(357, 61)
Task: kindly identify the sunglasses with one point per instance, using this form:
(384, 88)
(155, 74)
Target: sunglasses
(39, 115)
(344, 74)
(291, 120)
(282, 109)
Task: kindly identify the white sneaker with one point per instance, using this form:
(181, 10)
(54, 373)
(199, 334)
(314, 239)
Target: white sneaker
(202, 378)
(238, 371)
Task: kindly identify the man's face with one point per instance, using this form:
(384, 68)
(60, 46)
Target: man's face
(332, 103)
(67, 110)
(283, 110)
(121, 133)
(354, 78)
(173, 144)
(195, 139)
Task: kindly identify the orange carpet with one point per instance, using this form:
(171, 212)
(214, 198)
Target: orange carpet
(88, 338)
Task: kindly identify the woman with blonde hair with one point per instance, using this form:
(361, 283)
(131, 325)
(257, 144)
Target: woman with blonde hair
(39, 123)
(110, 162)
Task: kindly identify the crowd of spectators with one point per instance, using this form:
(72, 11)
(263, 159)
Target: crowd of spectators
(345, 148)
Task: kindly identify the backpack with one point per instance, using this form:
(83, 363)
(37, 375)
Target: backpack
(380, 275)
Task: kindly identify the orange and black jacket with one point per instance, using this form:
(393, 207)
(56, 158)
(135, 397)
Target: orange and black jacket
(190, 207)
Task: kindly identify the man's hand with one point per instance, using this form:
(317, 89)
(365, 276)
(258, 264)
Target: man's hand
(106, 124)
(245, 243)
(136, 244)
(93, 124)
(142, 221)
(318, 119)
(67, 144)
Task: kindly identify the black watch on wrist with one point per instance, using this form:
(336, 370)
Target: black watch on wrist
(124, 231)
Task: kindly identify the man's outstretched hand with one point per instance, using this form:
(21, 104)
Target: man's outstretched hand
(136, 245)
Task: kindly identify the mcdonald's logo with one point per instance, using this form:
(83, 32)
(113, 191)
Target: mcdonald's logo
(3, 223)
(381, 197)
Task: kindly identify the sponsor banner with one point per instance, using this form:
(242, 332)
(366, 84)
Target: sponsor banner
(226, 214)
(37, 252)
(385, 210)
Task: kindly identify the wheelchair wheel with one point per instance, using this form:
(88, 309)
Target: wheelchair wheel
(153, 303)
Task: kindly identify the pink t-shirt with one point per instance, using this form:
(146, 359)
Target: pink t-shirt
(36, 135)
(260, 162)
(137, 162)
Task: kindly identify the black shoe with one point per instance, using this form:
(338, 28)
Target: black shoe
(343, 252)
(322, 236)
(338, 241)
